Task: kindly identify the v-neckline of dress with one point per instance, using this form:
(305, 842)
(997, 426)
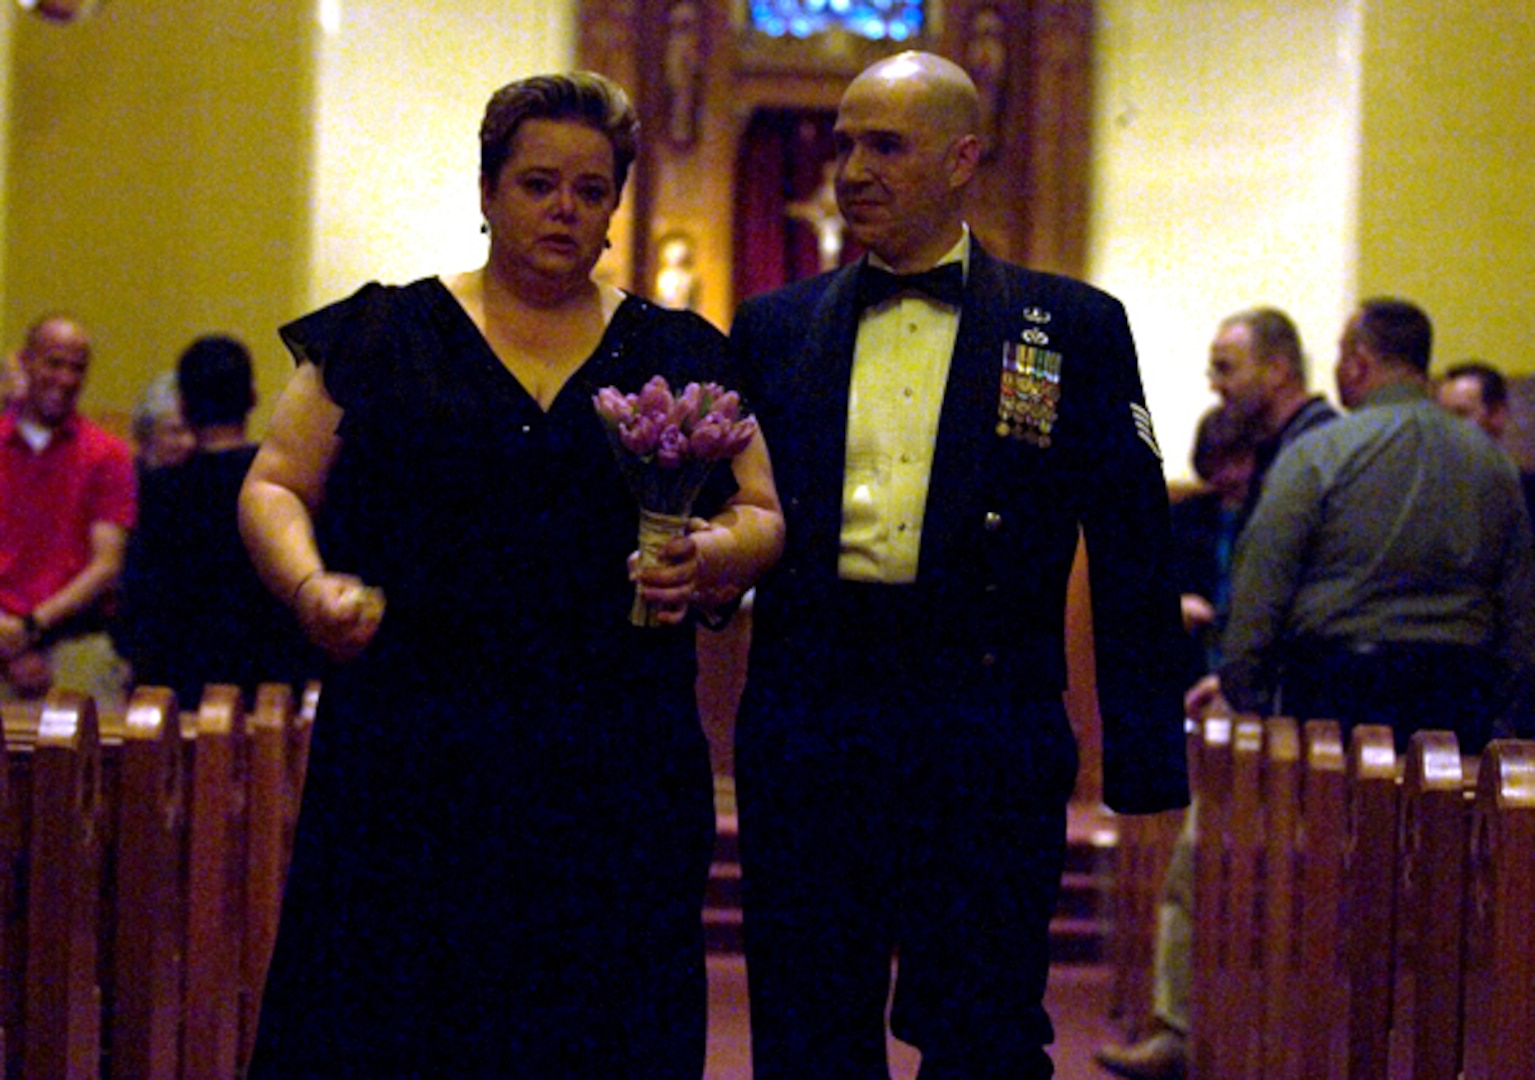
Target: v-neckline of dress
(488, 356)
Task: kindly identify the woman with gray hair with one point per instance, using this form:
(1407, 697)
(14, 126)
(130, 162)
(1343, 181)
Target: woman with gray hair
(161, 436)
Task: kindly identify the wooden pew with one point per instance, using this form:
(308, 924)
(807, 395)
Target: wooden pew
(1225, 1005)
(1269, 986)
(216, 884)
(1318, 889)
(1431, 895)
(1213, 765)
(1141, 855)
(1392, 908)
(1369, 897)
(1282, 1035)
(61, 1020)
(141, 869)
(149, 928)
(12, 909)
(1500, 968)
(1142, 852)
(275, 790)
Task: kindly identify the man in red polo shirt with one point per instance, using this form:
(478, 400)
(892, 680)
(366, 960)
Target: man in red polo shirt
(67, 503)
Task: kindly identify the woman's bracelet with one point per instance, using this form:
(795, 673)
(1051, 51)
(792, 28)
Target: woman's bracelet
(293, 600)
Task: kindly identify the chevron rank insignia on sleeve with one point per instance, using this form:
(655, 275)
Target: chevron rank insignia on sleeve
(1142, 417)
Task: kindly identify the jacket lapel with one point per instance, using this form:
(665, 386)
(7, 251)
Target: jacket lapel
(822, 383)
(966, 423)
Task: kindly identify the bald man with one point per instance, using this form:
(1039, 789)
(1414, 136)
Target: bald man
(67, 503)
(904, 757)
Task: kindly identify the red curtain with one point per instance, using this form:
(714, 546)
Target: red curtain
(783, 161)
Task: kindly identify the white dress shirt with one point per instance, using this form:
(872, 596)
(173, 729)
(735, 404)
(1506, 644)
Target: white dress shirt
(900, 369)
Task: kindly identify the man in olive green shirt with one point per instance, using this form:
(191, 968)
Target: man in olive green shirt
(1386, 575)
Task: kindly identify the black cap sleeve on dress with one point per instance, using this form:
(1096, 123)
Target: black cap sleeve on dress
(335, 337)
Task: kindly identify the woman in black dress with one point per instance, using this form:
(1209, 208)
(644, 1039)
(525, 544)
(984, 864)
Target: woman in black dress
(507, 821)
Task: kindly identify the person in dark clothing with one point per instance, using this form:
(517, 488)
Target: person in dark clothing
(1205, 526)
(1387, 575)
(193, 610)
(1475, 390)
(1258, 369)
(903, 754)
(508, 817)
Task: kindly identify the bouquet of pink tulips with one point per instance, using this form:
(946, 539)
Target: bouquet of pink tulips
(667, 444)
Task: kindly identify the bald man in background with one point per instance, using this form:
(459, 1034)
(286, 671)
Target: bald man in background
(904, 758)
(67, 503)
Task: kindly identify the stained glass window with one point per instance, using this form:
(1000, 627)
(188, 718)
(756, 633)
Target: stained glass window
(877, 20)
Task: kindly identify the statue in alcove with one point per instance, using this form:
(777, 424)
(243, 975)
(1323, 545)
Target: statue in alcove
(820, 212)
(986, 60)
(676, 278)
(683, 65)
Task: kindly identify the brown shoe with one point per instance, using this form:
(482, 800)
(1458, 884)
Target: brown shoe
(1163, 1056)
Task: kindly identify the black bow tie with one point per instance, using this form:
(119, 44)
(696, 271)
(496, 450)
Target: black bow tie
(945, 284)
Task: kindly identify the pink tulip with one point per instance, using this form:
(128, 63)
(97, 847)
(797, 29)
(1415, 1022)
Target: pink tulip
(726, 405)
(655, 398)
(640, 436)
(741, 434)
(685, 409)
(613, 407)
(668, 443)
(708, 439)
(671, 447)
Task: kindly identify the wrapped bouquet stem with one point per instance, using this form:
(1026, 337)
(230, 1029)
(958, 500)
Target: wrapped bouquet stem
(667, 444)
(656, 528)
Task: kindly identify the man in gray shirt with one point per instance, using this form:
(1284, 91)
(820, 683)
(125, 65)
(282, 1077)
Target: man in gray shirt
(1386, 574)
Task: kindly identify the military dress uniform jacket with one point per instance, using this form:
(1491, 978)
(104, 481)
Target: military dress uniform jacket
(1019, 463)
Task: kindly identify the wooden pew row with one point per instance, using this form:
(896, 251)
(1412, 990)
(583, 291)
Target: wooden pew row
(1141, 854)
(1431, 882)
(1499, 1031)
(1359, 916)
(141, 866)
(1143, 850)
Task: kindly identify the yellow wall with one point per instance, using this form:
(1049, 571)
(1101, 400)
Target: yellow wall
(402, 87)
(1307, 154)
(157, 171)
(8, 15)
(179, 166)
(1223, 179)
(1447, 195)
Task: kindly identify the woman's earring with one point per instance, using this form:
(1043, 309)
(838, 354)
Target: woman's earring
(484, 228)
(606, 243)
